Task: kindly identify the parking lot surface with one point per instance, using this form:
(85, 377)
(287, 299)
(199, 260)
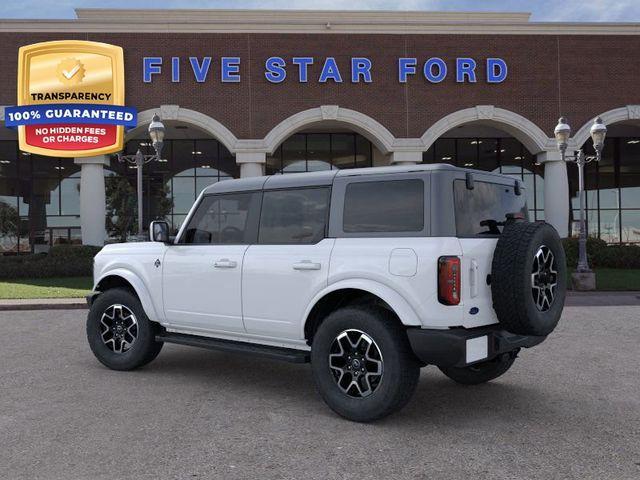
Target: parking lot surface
(569, 408)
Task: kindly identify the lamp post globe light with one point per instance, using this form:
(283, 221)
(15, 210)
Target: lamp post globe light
(583, 278)
(156, 134)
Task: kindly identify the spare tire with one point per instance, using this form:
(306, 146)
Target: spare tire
(529, 278)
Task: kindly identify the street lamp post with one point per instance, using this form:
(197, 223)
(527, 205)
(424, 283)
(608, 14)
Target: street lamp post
(562, 133)
(156, 133)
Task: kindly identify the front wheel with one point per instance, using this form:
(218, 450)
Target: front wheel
(362, 363)
(480, 372)
(119, 333)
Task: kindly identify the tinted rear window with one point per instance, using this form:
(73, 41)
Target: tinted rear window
(483, 210)
(295, 216)
(385, 206)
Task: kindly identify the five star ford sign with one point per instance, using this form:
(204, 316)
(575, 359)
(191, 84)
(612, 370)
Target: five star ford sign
(70, 99)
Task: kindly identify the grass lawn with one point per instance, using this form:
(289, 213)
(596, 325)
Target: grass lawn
(616, 279)
(70, 287)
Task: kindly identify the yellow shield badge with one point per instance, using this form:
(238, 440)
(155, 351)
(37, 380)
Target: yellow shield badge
(71, 99)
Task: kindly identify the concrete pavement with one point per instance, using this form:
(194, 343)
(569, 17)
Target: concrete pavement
(569, 408)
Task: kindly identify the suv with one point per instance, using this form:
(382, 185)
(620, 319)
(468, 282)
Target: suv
(369, 274)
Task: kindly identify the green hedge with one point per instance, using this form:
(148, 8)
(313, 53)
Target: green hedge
(601, 255)
(61, 261)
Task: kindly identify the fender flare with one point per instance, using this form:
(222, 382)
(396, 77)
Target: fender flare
(397, 302)
(138, 285)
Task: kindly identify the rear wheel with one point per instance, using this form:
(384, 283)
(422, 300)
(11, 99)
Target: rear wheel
(480, 372)
(362, 363)
(119, 333)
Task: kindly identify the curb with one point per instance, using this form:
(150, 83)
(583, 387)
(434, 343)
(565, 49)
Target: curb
(43, 304)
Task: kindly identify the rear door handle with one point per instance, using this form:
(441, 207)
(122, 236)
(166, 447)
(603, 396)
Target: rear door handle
(225, 263)
(307, 265)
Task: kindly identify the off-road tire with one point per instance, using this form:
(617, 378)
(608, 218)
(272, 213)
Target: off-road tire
(511, 278)
(480, 372)
(143, 349)
(400, 369)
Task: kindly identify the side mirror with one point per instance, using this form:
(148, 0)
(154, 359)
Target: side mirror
(159, 232)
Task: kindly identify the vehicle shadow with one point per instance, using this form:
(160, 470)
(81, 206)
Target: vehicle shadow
(437, 399)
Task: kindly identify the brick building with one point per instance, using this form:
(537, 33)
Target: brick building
(266, 92)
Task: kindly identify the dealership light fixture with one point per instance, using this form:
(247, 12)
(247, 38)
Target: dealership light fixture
(156, 134)
(562, 133)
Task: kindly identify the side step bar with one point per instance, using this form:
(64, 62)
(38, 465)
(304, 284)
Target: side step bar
(265, 351)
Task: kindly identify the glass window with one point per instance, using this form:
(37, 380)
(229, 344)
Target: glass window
(184, 191)
(224, 219)
(630, 172)
(445, 151)
(205, 154)
(429, 155)
(630, 226)
(511, 156)
(609, 226)
(44, 166)
(70, 196)
(483, 210)
(318, 152)
(343, 150)
(387, 206)
(488, 154)
(363, 152)
(294, 154)
(295, 216)
(467, 150)
(182, 163)
(8, 159)
(274, 162)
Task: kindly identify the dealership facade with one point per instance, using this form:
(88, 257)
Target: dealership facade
(246, 93)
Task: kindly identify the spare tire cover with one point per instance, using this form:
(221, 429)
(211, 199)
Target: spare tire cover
(529, 278)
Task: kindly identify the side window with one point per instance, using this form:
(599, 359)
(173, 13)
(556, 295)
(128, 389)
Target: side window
(225, 219)
(384, 206)
(295, 216)
(483, 210)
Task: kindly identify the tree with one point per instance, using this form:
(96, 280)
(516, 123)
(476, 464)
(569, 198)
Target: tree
(162, 201)
(122, 208)
(122, 214)
(9, 223)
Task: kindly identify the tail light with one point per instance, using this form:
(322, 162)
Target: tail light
(449, 280)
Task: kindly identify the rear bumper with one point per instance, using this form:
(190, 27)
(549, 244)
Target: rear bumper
(459, 347)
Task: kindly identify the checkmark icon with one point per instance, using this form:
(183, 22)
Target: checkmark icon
(71, 73)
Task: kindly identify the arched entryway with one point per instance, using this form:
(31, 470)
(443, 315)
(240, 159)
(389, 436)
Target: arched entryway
(612, 185)
(498, 140)
(192, 159)
(324, 138)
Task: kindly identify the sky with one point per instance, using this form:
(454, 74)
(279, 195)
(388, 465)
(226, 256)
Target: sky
(542, 10)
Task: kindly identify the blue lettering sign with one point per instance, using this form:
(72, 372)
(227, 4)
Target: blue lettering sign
(175, 69)
(465, 67)
(200, 71)
(275, 69)
(151, 66)
(406, 66)
(330, 71)
(496, 70)
(428, 70)
(303, 65)
(360, 67)
(230, 70)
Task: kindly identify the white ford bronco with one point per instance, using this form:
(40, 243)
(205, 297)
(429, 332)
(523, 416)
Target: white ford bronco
(369, 274)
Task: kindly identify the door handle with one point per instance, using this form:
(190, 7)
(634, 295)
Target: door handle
(307, 265)
(225, 263)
